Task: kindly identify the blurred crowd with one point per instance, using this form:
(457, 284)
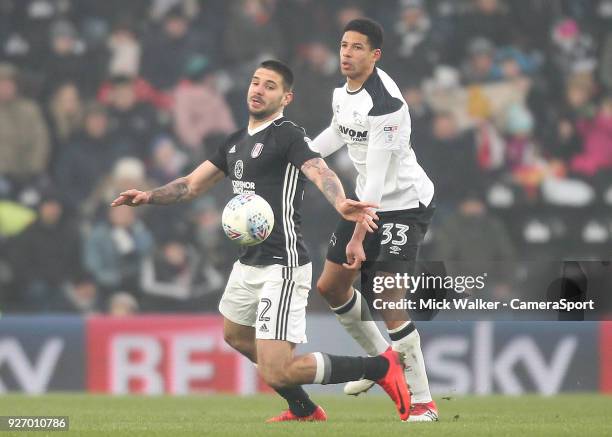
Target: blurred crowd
(511, 106)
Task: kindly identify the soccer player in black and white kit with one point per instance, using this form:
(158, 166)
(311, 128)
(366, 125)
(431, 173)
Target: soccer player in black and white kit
(371, 118)
(264, 303)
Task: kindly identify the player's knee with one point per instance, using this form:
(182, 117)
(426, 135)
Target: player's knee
(237, 342)
(324, 288)
(275, 377)
(335, 294)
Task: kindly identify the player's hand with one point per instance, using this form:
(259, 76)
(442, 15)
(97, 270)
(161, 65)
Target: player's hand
(355, 255)
(132, 198)
(360, 212)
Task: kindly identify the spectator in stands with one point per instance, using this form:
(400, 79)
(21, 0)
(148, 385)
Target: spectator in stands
(122, 304)
(165, 52)
(315, 77)
(450, 159)
(563, 142)
(529, 165)
(252, 33)
(200, 110)
(415, 50)
(80, 295)
(176, 277)
(512, 63)
(574, 50)
(133, 123)
(87, 157)
(521, 149)
(65, 113)
(167, 162)
(46, 254)
(489, 19)
(579, 95)
(298, 19)
(69, 60)
(421, 115)
(459, 238)
(596, 154)
(208, 236)
(127, 172)
(115, 249)
(24, 137)
(125, 50)
(479, 67)
(347, 13)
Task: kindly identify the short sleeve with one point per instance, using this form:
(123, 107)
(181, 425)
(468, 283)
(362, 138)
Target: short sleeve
(388, 131)
(298, 150)
(219, 159)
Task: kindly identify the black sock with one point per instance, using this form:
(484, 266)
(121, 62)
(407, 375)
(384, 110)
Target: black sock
(298, 400)
(375, 367)
(345, 369)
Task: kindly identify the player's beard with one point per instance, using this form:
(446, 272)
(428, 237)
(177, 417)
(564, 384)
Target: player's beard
(265, 112)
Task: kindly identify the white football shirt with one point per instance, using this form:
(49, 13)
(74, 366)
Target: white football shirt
(375, 120)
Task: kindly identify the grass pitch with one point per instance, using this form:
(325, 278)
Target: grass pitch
(370, 415)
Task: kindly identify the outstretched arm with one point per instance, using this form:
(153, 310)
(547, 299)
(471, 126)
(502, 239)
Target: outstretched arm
(179, 190)
(328, 183)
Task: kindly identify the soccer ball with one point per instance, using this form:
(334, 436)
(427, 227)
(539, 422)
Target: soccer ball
(248, 219)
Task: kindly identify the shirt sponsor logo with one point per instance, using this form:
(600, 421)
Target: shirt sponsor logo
(354, 134)
(256, 150)
(233, 149)
(238, 169)
(243, 187)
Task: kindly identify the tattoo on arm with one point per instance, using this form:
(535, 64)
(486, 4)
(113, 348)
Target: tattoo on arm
(173, 192)
(325, 178)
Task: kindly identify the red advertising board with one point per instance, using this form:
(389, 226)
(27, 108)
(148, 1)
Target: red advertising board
(165, 354)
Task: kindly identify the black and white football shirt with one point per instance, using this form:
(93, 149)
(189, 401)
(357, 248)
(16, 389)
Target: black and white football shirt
(373, 118)
(267, 162)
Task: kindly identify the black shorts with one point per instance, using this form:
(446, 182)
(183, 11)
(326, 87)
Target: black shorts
(395, 243)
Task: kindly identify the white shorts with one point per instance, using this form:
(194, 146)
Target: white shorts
(271, 298)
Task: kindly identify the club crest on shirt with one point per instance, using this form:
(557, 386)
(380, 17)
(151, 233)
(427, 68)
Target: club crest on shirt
(238, 169)
(256, 150)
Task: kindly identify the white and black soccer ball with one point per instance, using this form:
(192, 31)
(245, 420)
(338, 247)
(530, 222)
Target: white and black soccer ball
(247, 219)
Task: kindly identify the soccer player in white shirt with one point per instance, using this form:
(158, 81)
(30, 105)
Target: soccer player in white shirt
(371, 118)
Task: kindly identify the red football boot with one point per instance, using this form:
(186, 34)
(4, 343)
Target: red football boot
(424, 412)
(286, 416)
(394, 383)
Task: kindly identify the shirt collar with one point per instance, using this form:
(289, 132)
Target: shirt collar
(263, 126)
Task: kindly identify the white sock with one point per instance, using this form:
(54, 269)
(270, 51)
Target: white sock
(363, 330)
(406, 339)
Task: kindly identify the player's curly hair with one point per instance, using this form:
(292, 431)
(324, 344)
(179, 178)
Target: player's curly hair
(369, 28)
